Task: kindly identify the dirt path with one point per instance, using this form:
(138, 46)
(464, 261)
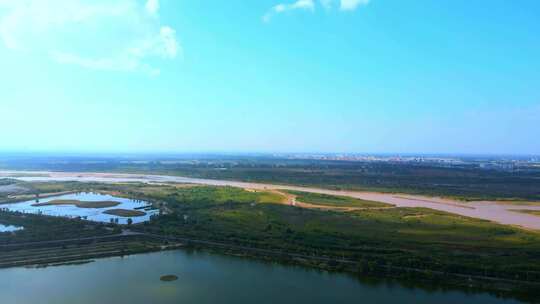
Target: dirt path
(487, 210)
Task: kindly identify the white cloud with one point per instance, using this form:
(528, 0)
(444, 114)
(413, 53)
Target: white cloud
(281, 8)
(116, 35)
(344, 5)
(168, 44)
(152, 6)
(326, 3)
(351, 5)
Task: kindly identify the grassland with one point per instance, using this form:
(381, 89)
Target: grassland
(79, 204)
(518, 203)
(124, 212)
(75, 252)
(7, 181)
(335, 201)
(44, 228)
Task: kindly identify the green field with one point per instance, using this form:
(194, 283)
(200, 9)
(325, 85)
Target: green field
(45, 228)
(79, 204)
(7, 181)
(518, 203)
(124, 212)
(532, 212)
(335, 201)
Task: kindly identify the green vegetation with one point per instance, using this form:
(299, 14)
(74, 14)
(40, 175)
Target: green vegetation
(24, 190)
(9, 187)
(45, 228)
(223, 195)
(533, 212)
(518, 203)
(52, 187)
(124, 212)
(168, 278)
(335, 201)
(74, 252)
(7, 181)
(79, 204)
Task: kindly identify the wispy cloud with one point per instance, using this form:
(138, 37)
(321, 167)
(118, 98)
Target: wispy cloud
(326, 3)
(152, 6)
(281, 8)
(344, 5)
(115, 35)
(351, 5)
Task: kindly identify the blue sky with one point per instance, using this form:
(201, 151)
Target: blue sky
(393, 76)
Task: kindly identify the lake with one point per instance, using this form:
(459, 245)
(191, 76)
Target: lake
(92, 214)
(205, 278)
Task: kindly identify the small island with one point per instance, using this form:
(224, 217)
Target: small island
(168, 278)
(79, 204)
(124, 212)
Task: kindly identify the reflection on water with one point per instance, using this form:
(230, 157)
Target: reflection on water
(92, 214)
(9, 228)
(204, 278)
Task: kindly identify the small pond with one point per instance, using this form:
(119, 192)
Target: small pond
(92, 214)
(9, 228)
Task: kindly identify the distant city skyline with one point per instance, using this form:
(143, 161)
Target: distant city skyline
(274, 76)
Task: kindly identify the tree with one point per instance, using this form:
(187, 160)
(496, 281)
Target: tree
(129, 222)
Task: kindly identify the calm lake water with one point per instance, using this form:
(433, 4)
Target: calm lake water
(204, 278)
(93, 214)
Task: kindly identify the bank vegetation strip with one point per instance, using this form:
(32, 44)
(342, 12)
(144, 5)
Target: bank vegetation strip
(79, 204)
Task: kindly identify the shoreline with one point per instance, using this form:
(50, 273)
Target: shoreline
(81, 251)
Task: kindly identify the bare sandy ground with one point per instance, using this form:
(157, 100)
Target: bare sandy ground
(495, 211)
